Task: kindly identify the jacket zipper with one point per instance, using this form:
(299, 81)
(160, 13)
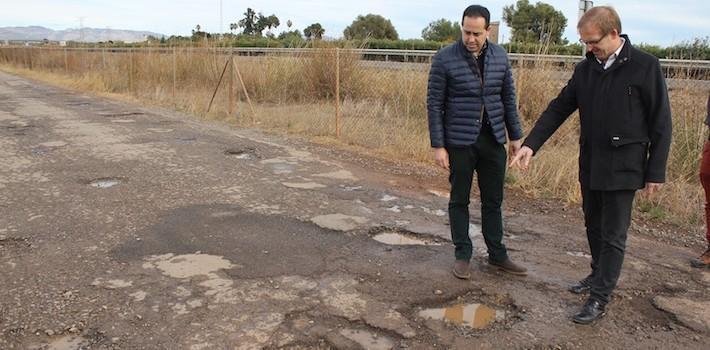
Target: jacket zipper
(480, 78)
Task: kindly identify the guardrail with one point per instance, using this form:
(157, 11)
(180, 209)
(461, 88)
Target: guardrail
(388, 53)
(375, 54)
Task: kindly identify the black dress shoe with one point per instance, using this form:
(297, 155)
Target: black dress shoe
(591, 311)
(581, 287)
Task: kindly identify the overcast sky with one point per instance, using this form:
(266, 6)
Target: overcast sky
(658, 22)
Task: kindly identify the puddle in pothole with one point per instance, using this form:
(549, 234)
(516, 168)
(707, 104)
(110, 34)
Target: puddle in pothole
(477, 316)
(105, 182)
(396, 238)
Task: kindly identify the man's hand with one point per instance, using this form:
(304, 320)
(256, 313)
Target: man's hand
(514, 147)
(441, 157)
(522, 158)
(651, 188)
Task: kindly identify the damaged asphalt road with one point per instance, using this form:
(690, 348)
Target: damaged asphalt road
(126, 227)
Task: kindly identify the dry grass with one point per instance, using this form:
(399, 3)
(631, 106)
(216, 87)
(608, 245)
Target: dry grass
(382, 109)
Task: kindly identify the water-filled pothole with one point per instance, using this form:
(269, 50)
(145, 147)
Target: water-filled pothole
(476, 316)
(401, 237)
(105, 182)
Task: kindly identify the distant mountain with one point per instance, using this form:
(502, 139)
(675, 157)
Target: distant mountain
(74, 34)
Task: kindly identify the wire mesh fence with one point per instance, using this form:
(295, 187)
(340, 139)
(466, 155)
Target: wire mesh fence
(372, 99)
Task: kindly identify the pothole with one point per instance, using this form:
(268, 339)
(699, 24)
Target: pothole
(188, 265)
(579, 255)
(368, 340)
(39, 151)
(339, 222)
(53, 144)
(241, 153)
(475, 316)
(80, 103)
(159, 130)
(18, 130)
(14, 242)
(67, 342)
(165, 122)
(185, 140)
(105, 182)
(391, 236)
(119, 114)
(303, 185)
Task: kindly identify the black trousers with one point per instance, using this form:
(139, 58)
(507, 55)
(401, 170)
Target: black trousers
(607, 216)
(486, 157)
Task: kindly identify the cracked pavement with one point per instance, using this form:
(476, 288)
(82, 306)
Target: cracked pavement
(129, 227)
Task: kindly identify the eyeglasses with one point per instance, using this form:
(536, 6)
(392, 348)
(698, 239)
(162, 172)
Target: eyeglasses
(592, 42)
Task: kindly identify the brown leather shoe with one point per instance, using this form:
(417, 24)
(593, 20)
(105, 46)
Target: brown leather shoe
(703, 261)
(509, 266)
(462, 269)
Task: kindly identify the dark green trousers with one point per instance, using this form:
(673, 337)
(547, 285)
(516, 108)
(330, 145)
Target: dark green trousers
(487, 158)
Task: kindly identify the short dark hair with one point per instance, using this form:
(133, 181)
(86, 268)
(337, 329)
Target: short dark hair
(477, 11)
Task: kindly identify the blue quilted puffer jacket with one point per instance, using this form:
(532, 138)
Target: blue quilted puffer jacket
(456, 97)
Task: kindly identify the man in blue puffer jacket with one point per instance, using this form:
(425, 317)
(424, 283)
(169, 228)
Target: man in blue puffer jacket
(471, 107)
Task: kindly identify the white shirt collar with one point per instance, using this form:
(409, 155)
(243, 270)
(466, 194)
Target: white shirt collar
(612, 57)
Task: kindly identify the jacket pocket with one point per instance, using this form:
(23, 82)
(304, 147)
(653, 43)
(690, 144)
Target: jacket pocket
(629, 153)
(618, 141)
(636, 106)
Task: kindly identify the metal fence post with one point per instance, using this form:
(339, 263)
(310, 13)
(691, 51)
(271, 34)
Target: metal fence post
(130, 71)
(66, 61)
(232, 97)
(174, 73)
(337, 92)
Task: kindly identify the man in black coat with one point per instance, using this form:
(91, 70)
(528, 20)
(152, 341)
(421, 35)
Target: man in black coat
(625, 136)
(471, 109)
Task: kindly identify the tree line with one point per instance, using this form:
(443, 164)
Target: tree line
(531, 25)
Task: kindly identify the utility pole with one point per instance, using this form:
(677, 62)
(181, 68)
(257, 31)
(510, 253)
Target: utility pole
(220, 18)
(584, 6)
